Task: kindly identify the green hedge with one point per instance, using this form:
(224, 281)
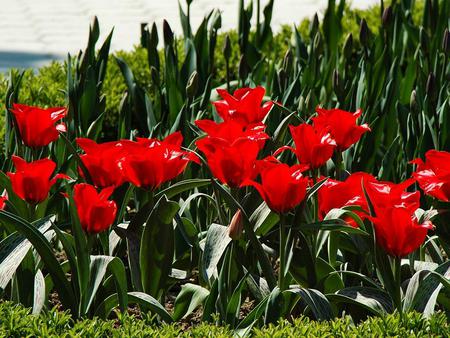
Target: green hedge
(45, 86)
(17, 321)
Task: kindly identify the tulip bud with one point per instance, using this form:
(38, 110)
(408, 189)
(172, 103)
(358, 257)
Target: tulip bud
(144, 34)
(287, 61)
(364, 33)
(386, 19)
(154, 75)
(348, 46)
(154, 36)
(314, 26)
(413, 106)
(227, 48)
(188, 2)
(167, 33)
(243, 68)
(192, 85)
(446, 43)
(236, 226)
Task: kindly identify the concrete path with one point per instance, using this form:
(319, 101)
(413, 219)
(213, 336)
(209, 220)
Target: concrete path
(32, 32)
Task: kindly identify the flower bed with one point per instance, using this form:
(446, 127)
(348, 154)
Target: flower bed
(314, 185)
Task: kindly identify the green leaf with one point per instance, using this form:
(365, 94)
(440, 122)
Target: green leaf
(157, 247)
(13, 249)
(43, 248)
(185, 185)
(190, 297)
(317, 302)
(217, 240)
(374, 300)
(143, 299)
(40, 295)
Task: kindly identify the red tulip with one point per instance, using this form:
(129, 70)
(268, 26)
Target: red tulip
(95, 211)
(3, 199)
(341, 125)
(387, 194)
(32, 181)
(37, 126)
(243, 106)
(312, 147)
(398, 231)
(150, 162)
(336, 194)
(231, 150)
(102, 162)
(433, 175)
(282, 187)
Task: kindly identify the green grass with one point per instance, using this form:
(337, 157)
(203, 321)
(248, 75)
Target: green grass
(17, 321)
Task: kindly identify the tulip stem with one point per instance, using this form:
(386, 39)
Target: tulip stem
(282, 254)
(398, 285)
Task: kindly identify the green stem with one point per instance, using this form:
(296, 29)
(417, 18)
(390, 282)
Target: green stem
(398, 285)
(264, 261)
(283, 243)
(339, 165)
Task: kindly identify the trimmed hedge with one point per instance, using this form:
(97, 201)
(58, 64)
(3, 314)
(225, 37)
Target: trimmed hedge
(17, 321)
(45, 87)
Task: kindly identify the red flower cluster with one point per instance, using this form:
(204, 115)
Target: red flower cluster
(146, 163)
(32, 181)
(397, 228)
(433, 175)
(37, 126)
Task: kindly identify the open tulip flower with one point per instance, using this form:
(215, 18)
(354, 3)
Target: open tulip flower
(385, 194)
(95, 211)
(102, 162)
(231, 150)
(243, 106)
(282, 187)
(398, 230)
(312, 147)
(37, 126)
(32, 181)
(433, 175)
(341, 125)
(336, 194)
(148, 163)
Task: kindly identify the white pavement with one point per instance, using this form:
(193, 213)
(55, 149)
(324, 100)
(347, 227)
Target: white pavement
(32, 32)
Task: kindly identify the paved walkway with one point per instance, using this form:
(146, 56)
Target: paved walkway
(32, 32)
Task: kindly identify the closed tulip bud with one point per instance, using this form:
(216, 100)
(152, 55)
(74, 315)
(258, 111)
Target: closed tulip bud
(413, 106)
(192, 85)
(154, 75)
(446, 42)
(227, 48)
(314, 27)
(364, 33)
(189, 2)
(287, 61)
(387, 17)
(281, 77)
(243, 68)
(236, 226)
(348, 46)
(167, 32)
(154, 36)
